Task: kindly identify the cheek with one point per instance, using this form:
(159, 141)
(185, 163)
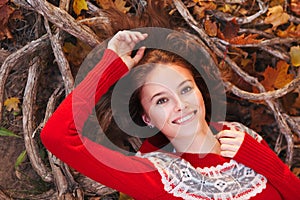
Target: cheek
(158, 115)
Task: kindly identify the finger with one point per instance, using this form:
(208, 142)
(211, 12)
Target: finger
(228, 134)
(134, 38)
(230, 141)
(139, 54)
(142, 36)
(228, 147)
(228, 154)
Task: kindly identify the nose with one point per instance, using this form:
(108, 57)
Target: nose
(180, 104)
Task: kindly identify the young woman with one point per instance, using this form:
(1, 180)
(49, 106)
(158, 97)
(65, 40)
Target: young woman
(234, 164)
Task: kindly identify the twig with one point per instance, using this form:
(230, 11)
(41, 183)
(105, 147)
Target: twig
(255, 31)
(19, 57)
(92, 187)
(276, 53)
(240, 20)
(3, 55)
(294, 19)
(3, 196)
(61, 60)
(66, 22)
(28, 121)
(263, 95)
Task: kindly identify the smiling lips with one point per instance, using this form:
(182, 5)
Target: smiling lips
(185, 118)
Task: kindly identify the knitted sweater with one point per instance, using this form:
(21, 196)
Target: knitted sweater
(255, 172)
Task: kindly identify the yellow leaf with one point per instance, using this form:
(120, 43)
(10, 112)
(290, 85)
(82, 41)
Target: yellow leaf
(120, 4)
(79, 5)
(295, 56)
(12, 104)
(276, 16)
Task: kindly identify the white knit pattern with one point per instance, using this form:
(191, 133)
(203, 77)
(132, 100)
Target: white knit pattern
(228, 181)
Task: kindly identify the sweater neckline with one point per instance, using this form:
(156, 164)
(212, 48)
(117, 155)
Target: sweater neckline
(204, 160)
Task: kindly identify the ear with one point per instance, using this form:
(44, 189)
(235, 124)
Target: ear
(147, 119)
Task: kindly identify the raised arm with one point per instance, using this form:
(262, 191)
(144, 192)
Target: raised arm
(62, 133)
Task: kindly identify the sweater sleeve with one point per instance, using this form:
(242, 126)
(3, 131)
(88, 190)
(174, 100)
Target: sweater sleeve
(261, 158)
(62, 135)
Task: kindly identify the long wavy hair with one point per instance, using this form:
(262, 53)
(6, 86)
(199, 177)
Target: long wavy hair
(174, 44)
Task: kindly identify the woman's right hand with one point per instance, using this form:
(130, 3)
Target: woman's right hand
(123, 42)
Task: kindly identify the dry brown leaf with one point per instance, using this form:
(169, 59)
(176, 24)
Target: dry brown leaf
(230, 30)
(245, 39)
(259, 118)
(105, 4)
(276, 16)
(283, 77)
(211, 28)
(5, 13)
(291, 103)
(291, 31)
(199, 11)
(278, 77)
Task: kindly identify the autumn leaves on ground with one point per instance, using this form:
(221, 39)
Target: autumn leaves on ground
(256, 44)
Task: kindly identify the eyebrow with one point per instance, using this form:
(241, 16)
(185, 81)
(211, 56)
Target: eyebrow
(160, 93)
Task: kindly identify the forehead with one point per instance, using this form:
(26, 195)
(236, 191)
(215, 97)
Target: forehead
(166, 74)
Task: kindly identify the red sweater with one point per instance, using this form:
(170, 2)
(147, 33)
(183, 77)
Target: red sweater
(158, 175)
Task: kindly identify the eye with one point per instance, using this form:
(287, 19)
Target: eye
(161, 101)
(186, 89)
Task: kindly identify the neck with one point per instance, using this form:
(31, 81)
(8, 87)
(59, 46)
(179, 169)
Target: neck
(203, 141)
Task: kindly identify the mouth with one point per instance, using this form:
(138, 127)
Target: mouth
(184, 118)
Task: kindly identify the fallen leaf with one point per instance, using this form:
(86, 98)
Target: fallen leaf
(210, 28)
(245, 39)
(291, 31)
(5, 13)
(105, 4)
(295, 56)
(226, 8)
(260, 118)
(79, 5)
(291, 103)
(199, 11)
(283, 77)
(230, 30)
(76, 53)
(121, 6)
(12, 104)
(276, 16)
(278, 77)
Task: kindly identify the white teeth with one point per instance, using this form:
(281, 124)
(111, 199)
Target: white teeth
(181, 120)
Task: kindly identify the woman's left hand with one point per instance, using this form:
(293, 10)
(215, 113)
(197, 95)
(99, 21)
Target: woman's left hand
(230, 141)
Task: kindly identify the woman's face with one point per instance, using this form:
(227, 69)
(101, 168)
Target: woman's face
(172, 101)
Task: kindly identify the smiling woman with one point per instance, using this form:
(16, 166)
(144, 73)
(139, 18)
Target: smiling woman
(235, 163)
